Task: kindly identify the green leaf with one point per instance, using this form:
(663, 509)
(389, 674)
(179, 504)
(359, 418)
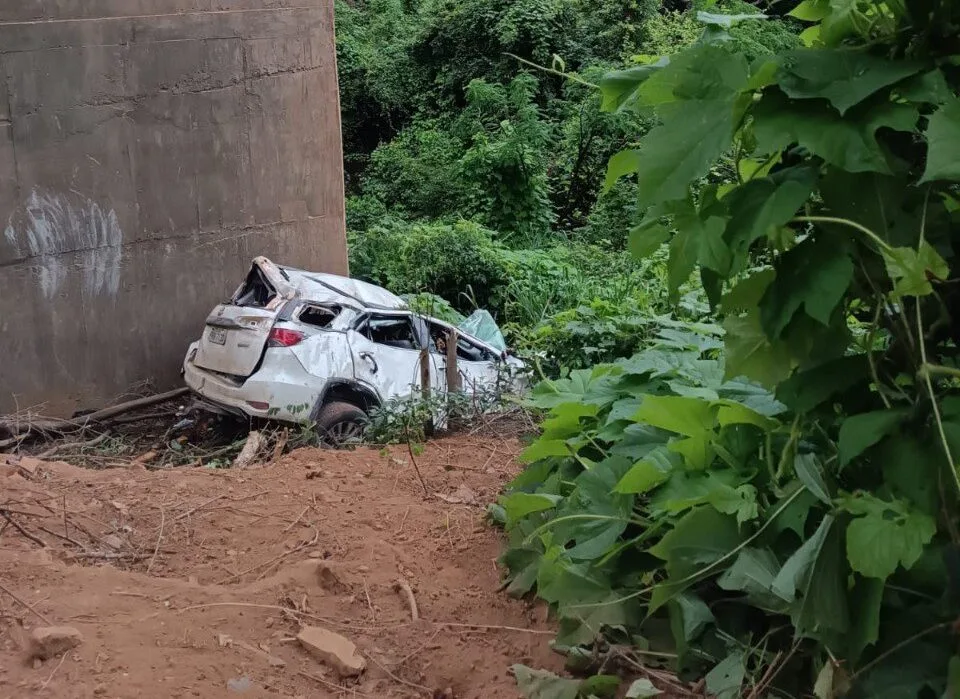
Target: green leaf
(943, 144)
(794, 517)
(594, 495)
(682, 149)
(641, 689)
(621, 164)
(620, 87)
(807, 467)
(911, 270)
(648, 473)
(700, 538)
(731, 413)
(750, 354)
(843, 76)
(686, 416)
(748, 292)
(884, 535)
(806, 390)
(866, 600)
(848, 141)
(724, 680)
(519, 505)
(689, 616)
(813, 582)
(753, 573)
(540, 684)
(811, 10)
(763, 205)
(860, 432)
(813, 276)
(543, 449)
(928, 88)
(600, 686)
(645, 240)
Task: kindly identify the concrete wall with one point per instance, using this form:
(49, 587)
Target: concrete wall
(148, 150)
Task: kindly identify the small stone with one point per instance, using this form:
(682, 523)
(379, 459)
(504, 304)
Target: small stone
(333, 649)
(315, 554)
(50, 641)
(113, 541)
(224, 641)
(239, 684)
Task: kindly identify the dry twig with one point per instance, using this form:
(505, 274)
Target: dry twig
(24, 604)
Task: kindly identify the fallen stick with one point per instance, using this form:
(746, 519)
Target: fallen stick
(56, 425)
(99, 439)
(21, 602)
(34, 539)
(404, 587)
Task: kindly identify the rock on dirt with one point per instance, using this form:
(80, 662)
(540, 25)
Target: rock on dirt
(332, 649)
(50, 641)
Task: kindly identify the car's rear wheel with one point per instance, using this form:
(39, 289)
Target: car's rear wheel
(340, 424)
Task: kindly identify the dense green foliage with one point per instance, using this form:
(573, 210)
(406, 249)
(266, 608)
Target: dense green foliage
(800, 537)
(478, 177)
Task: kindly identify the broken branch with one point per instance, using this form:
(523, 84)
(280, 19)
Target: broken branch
(99, 439)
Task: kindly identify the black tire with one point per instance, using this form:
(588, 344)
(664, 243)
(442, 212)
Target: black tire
(340, 424)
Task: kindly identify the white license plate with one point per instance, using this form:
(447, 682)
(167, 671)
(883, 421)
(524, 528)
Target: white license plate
(218, 336)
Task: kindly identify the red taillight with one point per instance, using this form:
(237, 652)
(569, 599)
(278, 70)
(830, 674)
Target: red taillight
(282, 337)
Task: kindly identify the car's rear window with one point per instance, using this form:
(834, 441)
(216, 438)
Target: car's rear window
(319, 316)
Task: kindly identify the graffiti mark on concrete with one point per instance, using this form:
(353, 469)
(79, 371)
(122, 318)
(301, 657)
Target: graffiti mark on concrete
(67, 232)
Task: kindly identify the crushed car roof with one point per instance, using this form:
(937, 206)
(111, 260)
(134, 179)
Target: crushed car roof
(332, 288)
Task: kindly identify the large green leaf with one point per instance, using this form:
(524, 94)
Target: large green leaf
(519, 505)
(701, 538)
(594, 496)
(751, 354)
(686, 416)
(753, 573)
(943, 143)
(813, 276)
(689, 616)
(860, 432)
(763, 205)
(912, 270)
(649, 472)
(813, 581)
(845, 77)
(620, 87)
(682, 149)
(724, 680)
(848, 141)
(885, 534)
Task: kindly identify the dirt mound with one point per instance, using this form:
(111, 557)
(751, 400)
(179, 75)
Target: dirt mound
(196, 582)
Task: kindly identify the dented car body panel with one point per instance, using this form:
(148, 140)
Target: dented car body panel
(287, 339)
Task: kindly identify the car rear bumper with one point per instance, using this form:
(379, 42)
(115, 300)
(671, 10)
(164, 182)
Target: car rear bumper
(280, 389)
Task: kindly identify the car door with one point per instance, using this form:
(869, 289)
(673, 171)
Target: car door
(386, 354)
(478, 365)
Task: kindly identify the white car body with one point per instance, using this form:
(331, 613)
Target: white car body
(290, 341)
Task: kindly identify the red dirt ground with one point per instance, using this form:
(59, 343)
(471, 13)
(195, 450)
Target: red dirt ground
(184, 580)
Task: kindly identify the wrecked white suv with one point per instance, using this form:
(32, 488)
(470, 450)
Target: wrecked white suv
(298, 347)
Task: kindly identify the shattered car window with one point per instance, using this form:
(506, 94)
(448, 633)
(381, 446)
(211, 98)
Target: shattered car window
(392, 332)
(256, 290)
(319, 316)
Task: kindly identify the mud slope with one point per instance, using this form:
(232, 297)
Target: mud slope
(194, 582)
